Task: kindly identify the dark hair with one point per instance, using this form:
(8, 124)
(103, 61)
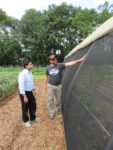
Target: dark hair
(26, 62)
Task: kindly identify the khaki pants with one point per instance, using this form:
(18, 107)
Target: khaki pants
(54, 91)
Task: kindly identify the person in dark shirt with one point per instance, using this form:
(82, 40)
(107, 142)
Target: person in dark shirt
(53, 80)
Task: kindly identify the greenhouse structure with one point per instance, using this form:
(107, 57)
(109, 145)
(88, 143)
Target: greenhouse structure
(87, 94)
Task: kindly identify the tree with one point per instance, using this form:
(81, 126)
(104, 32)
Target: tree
(56, 30)
(85, 20)
(105, 12)
(10, 49)
(60, 31)
(31, 33)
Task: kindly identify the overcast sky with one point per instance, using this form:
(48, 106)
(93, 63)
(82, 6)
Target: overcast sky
(16, 8)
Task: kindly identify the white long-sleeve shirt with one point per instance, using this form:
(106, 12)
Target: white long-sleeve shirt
(25, 81)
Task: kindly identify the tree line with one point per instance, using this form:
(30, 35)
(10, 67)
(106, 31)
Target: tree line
(40, 33)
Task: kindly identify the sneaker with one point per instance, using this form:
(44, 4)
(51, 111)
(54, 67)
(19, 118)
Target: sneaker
(52, 117)
(57, 111)
(36, 119)
(27, 124)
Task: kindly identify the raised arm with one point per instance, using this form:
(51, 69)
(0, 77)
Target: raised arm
(74, 62)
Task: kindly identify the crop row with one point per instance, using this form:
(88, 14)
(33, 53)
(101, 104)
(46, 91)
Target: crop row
(8, 84)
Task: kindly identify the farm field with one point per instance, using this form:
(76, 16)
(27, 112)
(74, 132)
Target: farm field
(44, 135)
(15, 70)
(8, 79)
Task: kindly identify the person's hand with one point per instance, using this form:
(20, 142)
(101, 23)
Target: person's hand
(45, 87)
(25, 99)
(81, 59)
(34, 92)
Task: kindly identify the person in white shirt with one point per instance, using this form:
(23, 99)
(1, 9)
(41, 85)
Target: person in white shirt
(26, 92)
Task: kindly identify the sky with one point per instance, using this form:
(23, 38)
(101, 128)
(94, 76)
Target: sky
(17, 8)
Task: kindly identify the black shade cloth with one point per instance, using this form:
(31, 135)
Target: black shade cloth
(87, 97)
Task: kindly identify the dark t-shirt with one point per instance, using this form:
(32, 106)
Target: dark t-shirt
(55, 73)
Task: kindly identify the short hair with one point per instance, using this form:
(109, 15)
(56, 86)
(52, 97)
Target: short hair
(26, 62)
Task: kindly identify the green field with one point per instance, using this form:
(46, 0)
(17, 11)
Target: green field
(16, 70)
(8, 78)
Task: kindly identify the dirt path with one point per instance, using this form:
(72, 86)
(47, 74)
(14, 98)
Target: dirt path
(44, 135)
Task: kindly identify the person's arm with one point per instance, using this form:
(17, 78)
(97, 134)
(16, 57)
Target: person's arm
(46, 82)
(21, 87)
(74, 62)
(34, 91)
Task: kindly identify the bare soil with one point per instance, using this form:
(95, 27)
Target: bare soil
(44, 135)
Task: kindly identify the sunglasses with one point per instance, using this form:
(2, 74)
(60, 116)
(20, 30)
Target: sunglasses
(52, 59)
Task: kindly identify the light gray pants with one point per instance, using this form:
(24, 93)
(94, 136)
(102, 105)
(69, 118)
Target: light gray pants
(54, 91)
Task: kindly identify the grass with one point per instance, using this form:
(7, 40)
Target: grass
(52, 147)
(15, 70)
(38, 77)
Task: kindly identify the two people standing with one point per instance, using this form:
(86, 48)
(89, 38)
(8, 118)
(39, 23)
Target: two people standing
(53, 81)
